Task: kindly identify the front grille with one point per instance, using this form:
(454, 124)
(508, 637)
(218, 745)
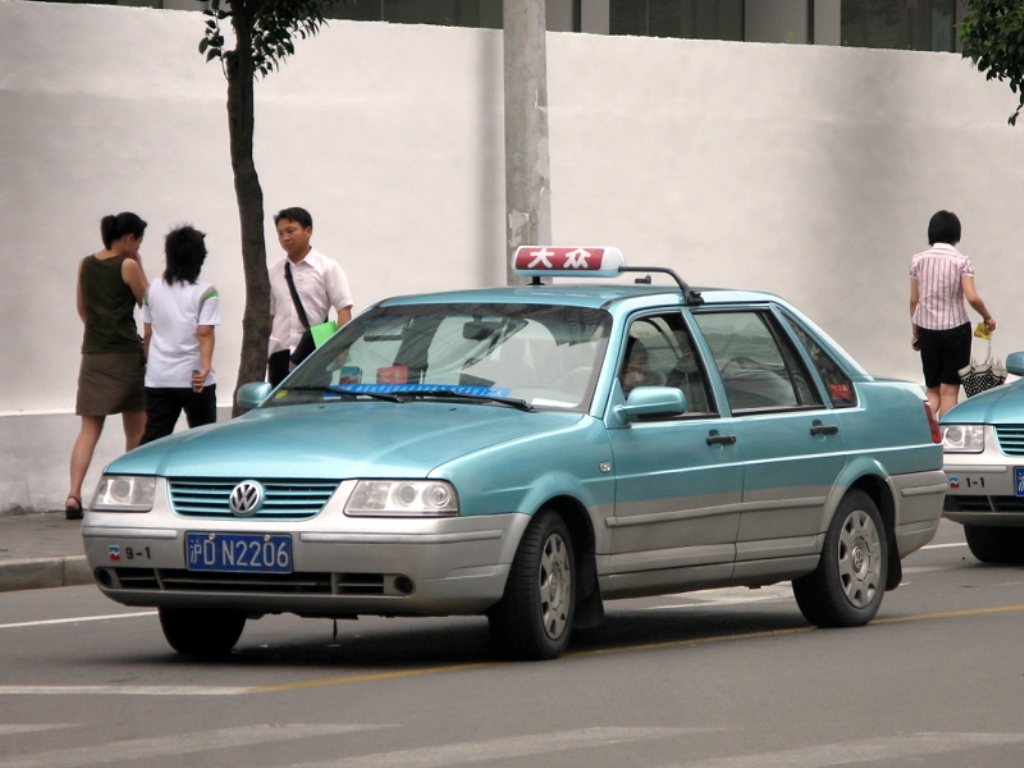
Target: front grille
(984, 503)
(306, 583)
(1011, 439)
(282, 500)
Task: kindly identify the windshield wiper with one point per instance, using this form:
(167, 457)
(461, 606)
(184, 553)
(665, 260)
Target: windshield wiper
(522, 405)
(390, 397)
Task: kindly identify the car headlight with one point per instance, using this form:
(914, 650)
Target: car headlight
(963, 438)
(403, 498)
(125, 493)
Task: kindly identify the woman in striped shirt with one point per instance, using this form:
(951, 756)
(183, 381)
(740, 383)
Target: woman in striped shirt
(940, 279)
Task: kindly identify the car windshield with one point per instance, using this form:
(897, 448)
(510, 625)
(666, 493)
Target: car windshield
(542, 356)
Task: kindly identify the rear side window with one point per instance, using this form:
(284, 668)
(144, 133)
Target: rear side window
(839, 386)
(759, 368)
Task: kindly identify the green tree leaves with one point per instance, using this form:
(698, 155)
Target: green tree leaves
(270, 25)
(993, 37)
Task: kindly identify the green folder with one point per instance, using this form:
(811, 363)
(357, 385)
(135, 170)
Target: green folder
(323, 332)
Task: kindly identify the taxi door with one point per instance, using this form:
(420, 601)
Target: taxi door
(678, 478)
(792, 443)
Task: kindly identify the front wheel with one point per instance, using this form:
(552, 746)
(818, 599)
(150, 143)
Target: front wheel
(996, 544)
(533, 620)
(201, 632)
(846, 588)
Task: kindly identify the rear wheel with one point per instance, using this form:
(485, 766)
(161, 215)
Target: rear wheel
(534, 618)
(201, 632)
(996, 544)
(846, 588)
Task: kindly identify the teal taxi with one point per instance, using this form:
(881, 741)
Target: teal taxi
(983, 440)
(528, 453)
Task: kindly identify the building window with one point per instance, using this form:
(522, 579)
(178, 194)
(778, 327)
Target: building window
(701, 19)
(448, 13)
(915, 25)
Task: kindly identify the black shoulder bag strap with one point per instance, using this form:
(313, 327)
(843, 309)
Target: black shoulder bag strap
(295, 295)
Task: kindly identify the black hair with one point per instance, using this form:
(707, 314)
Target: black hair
(299, 215)
(944, 227)
(185, 249)
(113, 228)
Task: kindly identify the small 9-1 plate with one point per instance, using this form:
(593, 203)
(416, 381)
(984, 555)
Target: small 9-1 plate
(238, 552)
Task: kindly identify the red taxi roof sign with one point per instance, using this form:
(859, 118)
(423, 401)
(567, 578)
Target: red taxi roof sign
(552, 261)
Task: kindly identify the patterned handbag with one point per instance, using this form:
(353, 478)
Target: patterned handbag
(980, 377)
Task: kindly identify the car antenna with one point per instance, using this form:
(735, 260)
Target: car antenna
(690, 296)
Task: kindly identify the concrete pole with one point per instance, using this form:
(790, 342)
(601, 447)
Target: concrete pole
(527, 163)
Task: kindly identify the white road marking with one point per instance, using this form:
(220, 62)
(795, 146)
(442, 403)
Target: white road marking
(727, 596)
(182, 744)
(498, 749)
(944, 546)
(866, 751)
(6, 730)
(121, 690)
(78, 619)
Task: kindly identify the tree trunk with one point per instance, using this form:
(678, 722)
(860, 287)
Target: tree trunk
(249, 195)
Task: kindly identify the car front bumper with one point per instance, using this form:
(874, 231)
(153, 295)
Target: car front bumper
(342, 566)
(985, 488)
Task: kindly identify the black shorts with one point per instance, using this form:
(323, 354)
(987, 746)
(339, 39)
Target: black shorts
(944, 353)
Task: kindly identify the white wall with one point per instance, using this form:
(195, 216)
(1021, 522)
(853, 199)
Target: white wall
(810, 171)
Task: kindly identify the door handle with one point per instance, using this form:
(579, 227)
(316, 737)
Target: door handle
(717, 439)
(824, 429)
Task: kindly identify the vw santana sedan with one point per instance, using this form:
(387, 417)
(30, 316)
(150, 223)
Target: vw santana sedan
(983, 440)
(529, 453)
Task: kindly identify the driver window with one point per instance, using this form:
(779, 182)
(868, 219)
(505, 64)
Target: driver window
(659, 353)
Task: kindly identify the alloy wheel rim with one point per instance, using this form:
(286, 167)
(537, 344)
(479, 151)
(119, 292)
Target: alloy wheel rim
(555, 586)
(860, 562)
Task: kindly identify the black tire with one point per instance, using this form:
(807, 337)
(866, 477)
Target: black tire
(533, 620)
(996, 544)
(846, 588)
(200, 632)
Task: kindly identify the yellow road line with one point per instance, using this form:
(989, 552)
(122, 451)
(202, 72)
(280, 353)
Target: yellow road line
(623, 649)
(368, 678)
(950, 614)
(691, 641)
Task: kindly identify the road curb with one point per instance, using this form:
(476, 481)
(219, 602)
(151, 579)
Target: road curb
(41, 573)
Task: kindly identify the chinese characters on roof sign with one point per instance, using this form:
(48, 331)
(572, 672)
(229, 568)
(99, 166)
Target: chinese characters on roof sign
(548, 261)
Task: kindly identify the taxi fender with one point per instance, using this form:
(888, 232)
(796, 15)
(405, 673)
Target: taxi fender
(857, 468)
(552, 485)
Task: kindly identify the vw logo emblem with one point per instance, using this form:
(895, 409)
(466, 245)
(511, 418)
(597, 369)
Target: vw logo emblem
(246, 498)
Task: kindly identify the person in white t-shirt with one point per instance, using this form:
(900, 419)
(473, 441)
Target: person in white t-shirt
(320, 283)
(180, 312)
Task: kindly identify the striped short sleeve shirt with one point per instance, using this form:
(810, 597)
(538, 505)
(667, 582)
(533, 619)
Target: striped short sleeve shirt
(937, 272)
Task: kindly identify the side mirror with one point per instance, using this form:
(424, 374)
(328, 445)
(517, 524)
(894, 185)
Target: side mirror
(1015, 363)
(652, 401)
(253, 394)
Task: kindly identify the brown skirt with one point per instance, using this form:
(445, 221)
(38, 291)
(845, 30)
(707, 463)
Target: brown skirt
(111, 382)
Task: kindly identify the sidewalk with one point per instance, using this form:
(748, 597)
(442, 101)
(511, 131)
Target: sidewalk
(41, 550)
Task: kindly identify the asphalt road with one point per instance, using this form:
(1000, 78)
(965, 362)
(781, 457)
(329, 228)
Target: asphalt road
(724, 679)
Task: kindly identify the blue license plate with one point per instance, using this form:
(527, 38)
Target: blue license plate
(238, 552)
(1018, 480)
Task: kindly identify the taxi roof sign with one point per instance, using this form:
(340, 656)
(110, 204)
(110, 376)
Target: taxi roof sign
(552, 261)
(539, 261)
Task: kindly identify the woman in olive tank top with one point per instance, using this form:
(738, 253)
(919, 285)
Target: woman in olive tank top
(111, 284)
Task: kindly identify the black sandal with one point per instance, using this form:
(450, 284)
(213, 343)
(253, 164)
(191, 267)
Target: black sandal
(73, 513)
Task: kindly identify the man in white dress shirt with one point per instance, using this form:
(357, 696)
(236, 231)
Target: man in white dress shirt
(319, 282)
